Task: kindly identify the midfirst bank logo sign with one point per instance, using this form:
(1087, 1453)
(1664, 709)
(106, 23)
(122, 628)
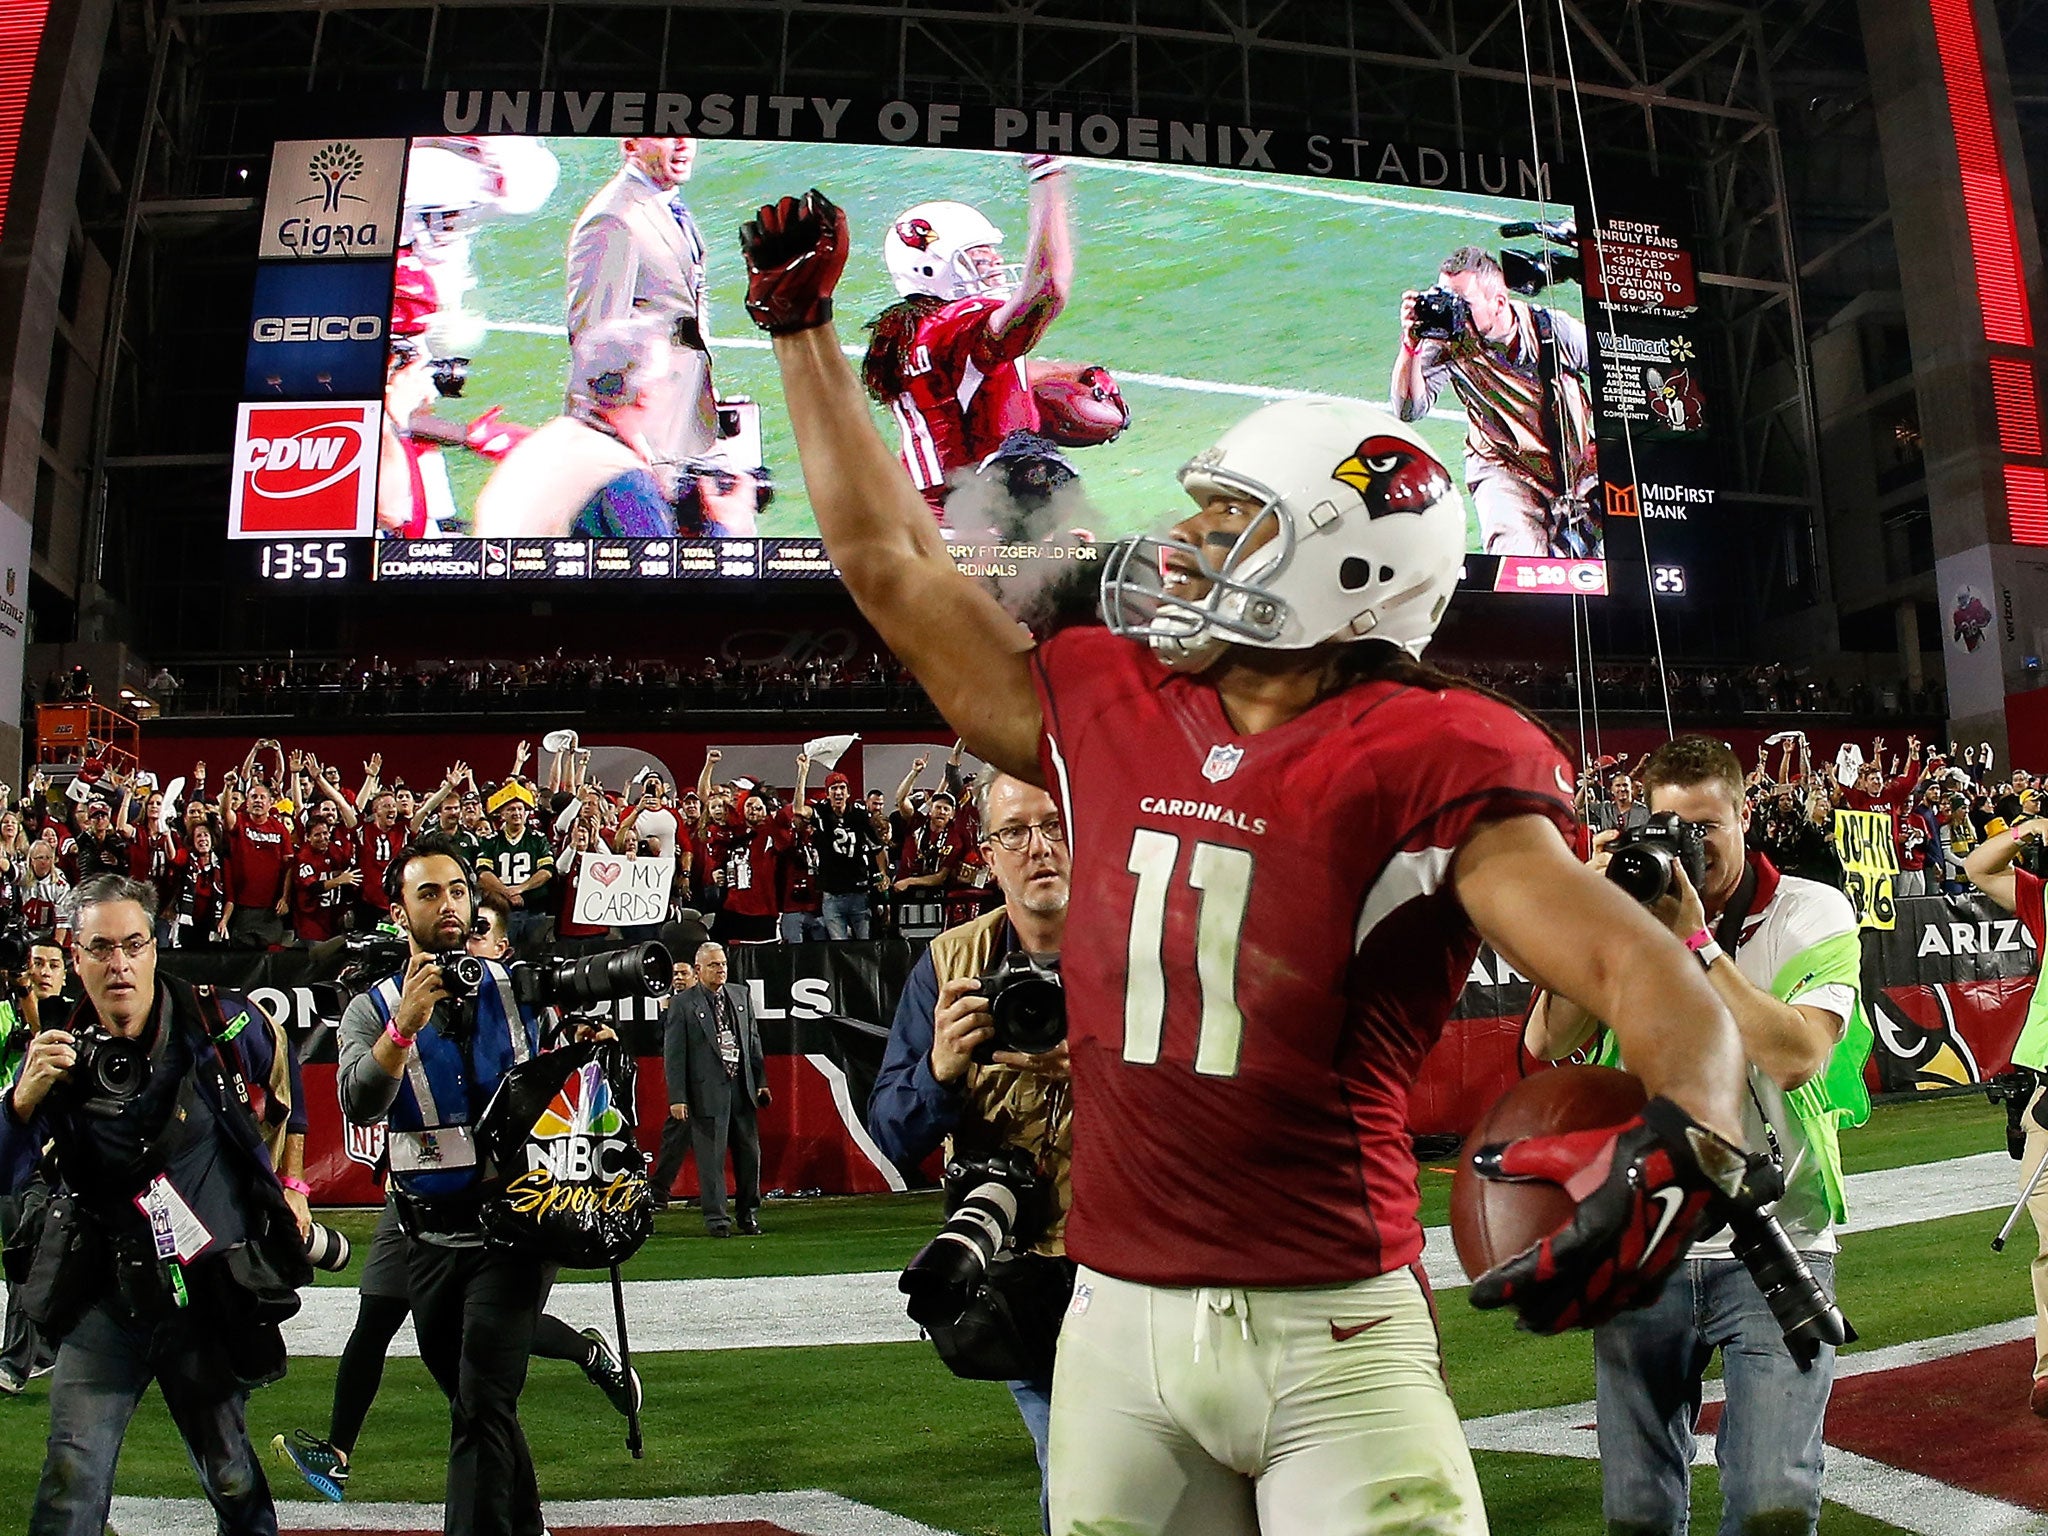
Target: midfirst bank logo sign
(333, 197)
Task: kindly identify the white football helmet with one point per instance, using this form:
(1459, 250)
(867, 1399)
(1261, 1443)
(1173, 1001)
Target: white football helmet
(927, 250)
(1359, 535)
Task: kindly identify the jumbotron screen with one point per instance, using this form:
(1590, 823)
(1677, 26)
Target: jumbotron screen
(566, 384)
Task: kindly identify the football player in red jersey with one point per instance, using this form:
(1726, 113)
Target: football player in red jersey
(1250, 1345)
(948, 358)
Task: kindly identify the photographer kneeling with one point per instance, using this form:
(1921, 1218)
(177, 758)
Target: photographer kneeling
(168, 1251)
(1783, 955)
(427, 1062)
(1005, 1115)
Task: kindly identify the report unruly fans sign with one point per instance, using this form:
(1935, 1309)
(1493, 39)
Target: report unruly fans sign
(1870, 865)
(625, 892)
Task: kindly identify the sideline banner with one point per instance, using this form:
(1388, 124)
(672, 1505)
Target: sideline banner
(1945, 987)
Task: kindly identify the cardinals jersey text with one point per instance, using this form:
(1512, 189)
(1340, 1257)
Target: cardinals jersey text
(1257, 961)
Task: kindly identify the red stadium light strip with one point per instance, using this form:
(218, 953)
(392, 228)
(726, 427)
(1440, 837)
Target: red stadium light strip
(2018, 399)
(21, 34)
(2026, 503)
(1987, 197)
(1995, 252)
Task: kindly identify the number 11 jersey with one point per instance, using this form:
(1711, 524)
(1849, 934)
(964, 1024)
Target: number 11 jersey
(1262, 946)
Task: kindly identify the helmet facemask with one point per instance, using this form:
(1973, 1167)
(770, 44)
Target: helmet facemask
(1187, 606)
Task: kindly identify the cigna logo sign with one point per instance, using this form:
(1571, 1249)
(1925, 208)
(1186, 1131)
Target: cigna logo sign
(305, 470)
(333, 198)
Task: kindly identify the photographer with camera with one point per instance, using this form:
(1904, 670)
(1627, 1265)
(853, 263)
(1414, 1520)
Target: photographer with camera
(1994, 868)
(947, 1076)
(426, 1062)
(1783, 956)
(1520, 372)
(167, 1251)
(38, 985)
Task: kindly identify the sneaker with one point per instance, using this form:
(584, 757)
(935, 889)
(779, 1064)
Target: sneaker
(618, 1383)
(10, 1384)
(323, 1467)
(2038, 1398)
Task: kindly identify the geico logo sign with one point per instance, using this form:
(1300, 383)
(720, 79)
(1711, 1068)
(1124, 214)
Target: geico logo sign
(318, 328)
(282, 468)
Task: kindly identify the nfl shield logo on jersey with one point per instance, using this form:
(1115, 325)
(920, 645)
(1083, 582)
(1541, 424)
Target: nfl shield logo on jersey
(1222, 763)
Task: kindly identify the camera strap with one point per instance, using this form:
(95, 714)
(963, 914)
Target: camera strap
(1728, 934)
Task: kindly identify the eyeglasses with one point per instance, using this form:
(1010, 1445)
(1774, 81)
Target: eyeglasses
(1015, 839)
(102, 950)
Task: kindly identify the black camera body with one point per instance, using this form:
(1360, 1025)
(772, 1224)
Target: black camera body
(15, 943)
(1028, 1004)
(461, 973)
(109, 1068)
(450, 376)
(1646, 860)
(1440, 314)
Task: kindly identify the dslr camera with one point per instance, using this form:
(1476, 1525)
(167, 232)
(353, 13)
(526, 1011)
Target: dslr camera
(1441, 315)
(1028, 1003)
(1645, 860)
(15, 942)
(109, 1069)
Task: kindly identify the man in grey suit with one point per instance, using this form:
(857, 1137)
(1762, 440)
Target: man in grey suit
(712, 1053)
(635, 250)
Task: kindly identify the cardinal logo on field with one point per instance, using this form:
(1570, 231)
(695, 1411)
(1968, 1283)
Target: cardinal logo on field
(1222, 763)
(1391, 475)
(918, 234)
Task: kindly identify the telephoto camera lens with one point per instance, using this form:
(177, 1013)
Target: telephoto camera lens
(948, 1271)
(1806, 1314)
(641, 970)
(327, 1249)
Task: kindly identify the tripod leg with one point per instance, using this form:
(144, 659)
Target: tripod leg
(2012, 1220)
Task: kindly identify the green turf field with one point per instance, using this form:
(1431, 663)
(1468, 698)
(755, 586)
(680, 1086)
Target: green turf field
(886, 1425)
(1224, 285)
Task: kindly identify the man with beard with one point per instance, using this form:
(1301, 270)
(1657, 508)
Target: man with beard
(426, 1064)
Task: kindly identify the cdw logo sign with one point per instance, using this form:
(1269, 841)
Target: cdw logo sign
(305, 470)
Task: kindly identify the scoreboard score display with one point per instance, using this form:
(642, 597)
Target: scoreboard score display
(411, 372)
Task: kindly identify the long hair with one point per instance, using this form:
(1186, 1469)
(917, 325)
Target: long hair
(891, 334)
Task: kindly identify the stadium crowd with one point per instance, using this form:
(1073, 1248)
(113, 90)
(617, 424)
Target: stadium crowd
(1939, 805)
(279, 850)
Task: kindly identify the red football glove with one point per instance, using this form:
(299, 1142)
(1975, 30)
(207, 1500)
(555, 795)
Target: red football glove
(492, 436)
(1644, 1189)
(795, 251)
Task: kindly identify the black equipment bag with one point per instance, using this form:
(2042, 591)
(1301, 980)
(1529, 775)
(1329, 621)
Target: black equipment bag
(570, 1185)
(1011, 1328)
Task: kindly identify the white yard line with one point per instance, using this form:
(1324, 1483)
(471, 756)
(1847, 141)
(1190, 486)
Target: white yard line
(811, 1512)
(785, 1311)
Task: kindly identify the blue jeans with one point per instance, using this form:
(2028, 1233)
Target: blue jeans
(846, 915)
(1034, 1401)
(103, 1368)
(1648, 1365)
(802, 927)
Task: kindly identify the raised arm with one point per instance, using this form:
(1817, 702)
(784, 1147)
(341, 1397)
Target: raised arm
(969, 655)
(1989, 866)
(903, 789)
(1048, 263)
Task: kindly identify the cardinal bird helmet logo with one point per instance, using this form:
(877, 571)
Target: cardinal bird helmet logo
(918, 234)
(1392, 475)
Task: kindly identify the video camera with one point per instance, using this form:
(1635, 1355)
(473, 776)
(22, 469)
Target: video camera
(2013, 1089)
(1646, 859)
(1529, 273)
